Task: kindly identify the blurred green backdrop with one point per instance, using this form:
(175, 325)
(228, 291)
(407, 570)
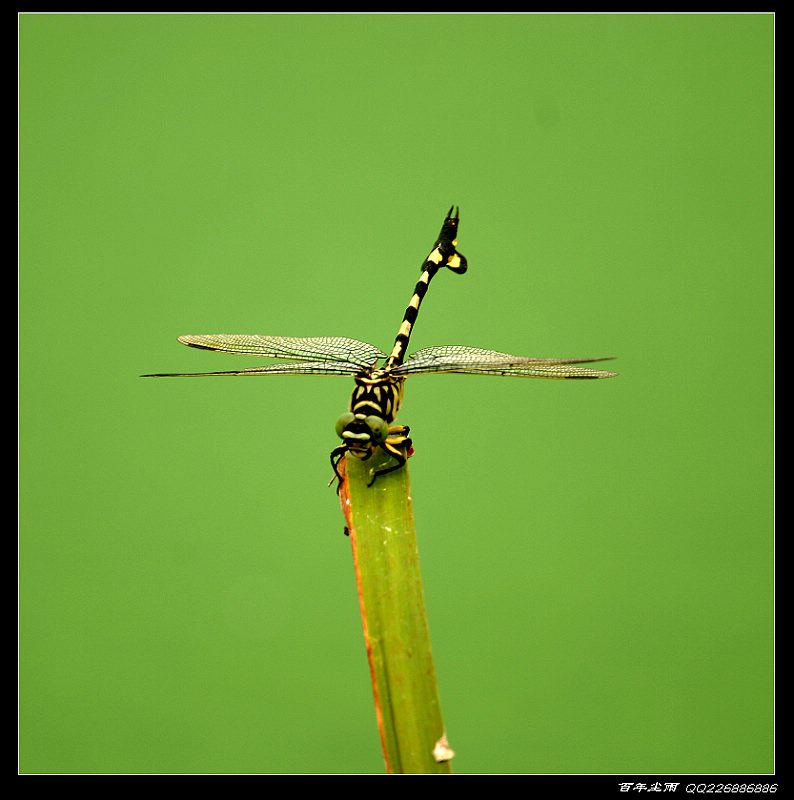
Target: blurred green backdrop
(597, 556)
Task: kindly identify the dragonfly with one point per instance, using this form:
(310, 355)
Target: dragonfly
(368, 424)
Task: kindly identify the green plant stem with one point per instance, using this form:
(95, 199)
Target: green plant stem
(383, 536)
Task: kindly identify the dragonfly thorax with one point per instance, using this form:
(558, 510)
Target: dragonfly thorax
(377, 393)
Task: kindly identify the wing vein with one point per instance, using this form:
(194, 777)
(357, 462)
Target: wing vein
(307, 348)
(478, 361)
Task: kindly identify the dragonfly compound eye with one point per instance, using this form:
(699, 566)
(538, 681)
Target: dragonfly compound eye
(379, 428)
(343, 422)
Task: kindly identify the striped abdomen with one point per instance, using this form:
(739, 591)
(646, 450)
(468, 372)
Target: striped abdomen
(443, 254)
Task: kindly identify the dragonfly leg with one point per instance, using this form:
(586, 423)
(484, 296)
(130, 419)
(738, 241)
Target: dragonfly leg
(399, 446)
(336, 456)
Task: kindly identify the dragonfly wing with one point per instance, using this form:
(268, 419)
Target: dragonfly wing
(553, 371)
(478, 361)
(299, 368)
(305, 348)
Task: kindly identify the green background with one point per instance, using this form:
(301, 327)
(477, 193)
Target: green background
(597, 556)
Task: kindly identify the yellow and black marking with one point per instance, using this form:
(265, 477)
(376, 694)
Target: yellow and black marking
(376, 398)
(443, 254)
(367, 425)
(377, 392)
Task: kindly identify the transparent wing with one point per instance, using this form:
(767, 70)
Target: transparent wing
(300, 368)
(306, 348)
(477, 361)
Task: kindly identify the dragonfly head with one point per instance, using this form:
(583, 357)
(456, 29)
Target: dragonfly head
(361, 434)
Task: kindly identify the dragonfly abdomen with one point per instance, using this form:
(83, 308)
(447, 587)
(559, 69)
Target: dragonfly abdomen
(443, 254)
